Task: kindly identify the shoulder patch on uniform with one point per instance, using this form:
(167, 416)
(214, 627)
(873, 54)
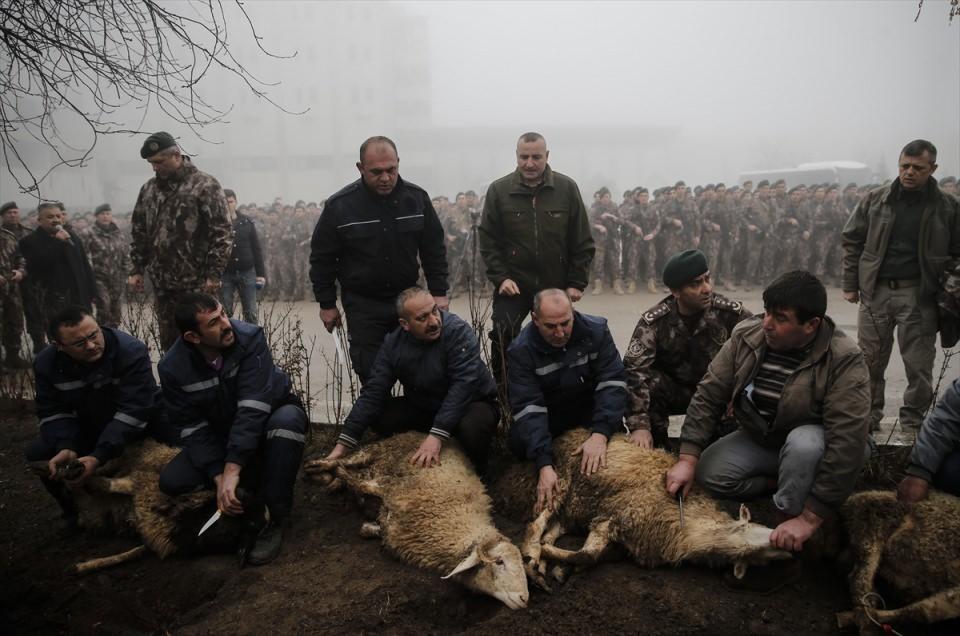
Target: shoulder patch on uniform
(654, 314)
(725, 304)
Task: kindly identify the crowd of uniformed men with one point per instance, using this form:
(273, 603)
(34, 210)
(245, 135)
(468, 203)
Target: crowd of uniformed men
(780, 403)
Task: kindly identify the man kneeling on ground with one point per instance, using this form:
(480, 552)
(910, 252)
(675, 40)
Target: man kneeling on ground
(95, 395)
(447, 389)
(935, 458)
(240, 423)
(564, 372)
(800, 391)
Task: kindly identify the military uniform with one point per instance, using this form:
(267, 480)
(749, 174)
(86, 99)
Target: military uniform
(711, 234)
(666, 359)
(181, 237)
(609, 248)
(759, 244)
(641, 220)
(108, 251)
(11, 309)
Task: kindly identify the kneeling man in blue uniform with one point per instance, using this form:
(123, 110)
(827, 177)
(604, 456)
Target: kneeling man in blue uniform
(564, 372)
(239, 421)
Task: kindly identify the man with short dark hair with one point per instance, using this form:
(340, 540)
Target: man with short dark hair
(239, 420)
(447, 389)
(799, 390)
(534, 235)
(109, 258)
(372, 239)
(95, 395)
(564, 372)
(245, 271)
(897, 244)
(672, 345)
(180, 231)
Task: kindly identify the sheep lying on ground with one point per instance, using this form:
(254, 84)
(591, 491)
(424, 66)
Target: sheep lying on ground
(124, 495)
(626, 504)
(912, 549)
(436, 518)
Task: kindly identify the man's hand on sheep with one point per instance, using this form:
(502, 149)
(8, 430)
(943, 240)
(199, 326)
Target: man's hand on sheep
(90, 464)
(548, 489)
(792, 533)
(62, 458)
(913, 489)
(594, 454)
(227, 482)
(338, 451)
(680, 477)
(642, 438)
(429, 452)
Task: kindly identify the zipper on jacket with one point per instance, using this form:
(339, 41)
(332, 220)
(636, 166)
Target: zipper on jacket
(536, 240)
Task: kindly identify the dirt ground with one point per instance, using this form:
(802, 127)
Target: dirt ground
(329, 580)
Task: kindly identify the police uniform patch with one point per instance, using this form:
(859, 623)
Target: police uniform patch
(725, 304)
(656, 313)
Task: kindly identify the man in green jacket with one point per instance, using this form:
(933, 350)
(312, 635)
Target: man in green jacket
(896, 244)
(534, 235)
(800, 392)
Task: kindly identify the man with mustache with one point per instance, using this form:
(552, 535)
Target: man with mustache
(672, 345)
(897, 243)
(239, 421)
(95, 395)
(447, 389)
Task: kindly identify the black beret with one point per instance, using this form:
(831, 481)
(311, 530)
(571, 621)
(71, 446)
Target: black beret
(103, 207)
(797, 188)
(9, 205)
(833, 187)
(683, 268)
(763, 184)
(947, 180)
(779, 182)
(640, 190)
(679, 184)
(721, 185)
(157, 142)
(470, 193)
(604, 190)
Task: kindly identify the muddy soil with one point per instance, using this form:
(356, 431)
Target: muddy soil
(329, 580)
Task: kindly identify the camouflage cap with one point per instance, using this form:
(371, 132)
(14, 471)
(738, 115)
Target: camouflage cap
(9, 205)
(683, 268)
(103, 207)
(155, 143)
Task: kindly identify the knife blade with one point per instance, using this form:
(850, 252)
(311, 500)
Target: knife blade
(212, 520)
(680, 501)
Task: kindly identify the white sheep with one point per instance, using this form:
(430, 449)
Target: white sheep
(626, 504)
(912, 548)
(435, 518)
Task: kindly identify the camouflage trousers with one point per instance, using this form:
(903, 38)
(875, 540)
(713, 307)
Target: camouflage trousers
(761, 251)
(710, 246)
(667, 397)
(109, 300)
(826, 255)
(790, 254)
(164, 303)
(11, 315)
(640, 258)
(672, 243)
(468, 271)
(608, 258)
(727, 262)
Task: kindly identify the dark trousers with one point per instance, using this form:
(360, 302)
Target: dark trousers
(271, 472)
(561, 420)
(369, 320)
(667, 398)
(508, 315)
(474, 431)
(947, 478)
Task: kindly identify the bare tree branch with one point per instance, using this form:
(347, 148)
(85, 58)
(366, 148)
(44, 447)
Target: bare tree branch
(69, 61)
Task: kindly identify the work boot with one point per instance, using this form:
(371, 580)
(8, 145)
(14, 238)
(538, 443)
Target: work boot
(597, 287)
(618, 287)
(652, 286)
(632, 287)
(267, 546)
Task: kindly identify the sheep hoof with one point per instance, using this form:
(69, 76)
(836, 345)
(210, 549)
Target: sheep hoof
(370, 530)
(532, 569)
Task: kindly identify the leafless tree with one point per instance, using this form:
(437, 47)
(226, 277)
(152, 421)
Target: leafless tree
(70, 62)
(954, 10)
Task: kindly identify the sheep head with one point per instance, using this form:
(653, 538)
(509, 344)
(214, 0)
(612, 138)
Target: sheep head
(739, 541)
(494, 567)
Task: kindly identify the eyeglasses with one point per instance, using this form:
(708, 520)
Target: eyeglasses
(82, 342)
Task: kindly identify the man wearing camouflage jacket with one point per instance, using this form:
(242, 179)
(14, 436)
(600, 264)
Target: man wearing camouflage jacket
(181, 231)
(107, 250)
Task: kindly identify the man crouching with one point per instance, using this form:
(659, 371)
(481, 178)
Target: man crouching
(447, 390)
(239, 421)
(800, 393)
(564, 372)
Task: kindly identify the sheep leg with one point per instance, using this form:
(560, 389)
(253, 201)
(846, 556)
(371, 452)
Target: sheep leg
(941, 606)
(370, 530)
(360, 459)
(105, 562)
(531, 546)
(116, 485)
(593, 548)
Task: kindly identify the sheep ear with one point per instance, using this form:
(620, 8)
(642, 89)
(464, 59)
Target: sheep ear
(472, 561)
(744, 513)
(739, 569)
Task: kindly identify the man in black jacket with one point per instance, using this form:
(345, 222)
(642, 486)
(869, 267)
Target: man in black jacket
(447, 389)
(58, 271)
(95, 395)
(245, 272)
(239, 421)
(372, 239)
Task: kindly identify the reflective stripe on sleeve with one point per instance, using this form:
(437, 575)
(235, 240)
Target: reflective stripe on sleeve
(533, 408)
(284, 433)
(129, 419)
(254, 404)
(619, 383)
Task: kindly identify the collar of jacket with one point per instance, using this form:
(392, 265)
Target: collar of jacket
(518, 187)
(110, 229)
(181, 173)
(894, 190)
(379, 197)
(70, 367)
(229, 355)
(580, 332)
(821, 344)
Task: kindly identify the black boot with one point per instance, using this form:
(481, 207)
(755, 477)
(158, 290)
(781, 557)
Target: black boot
(267, 546)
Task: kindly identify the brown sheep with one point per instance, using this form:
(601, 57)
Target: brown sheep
(626, 504)
(435, 518)
(912, 548)
(124, 495)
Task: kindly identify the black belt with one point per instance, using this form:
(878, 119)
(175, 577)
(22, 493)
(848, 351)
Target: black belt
(895, 283)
